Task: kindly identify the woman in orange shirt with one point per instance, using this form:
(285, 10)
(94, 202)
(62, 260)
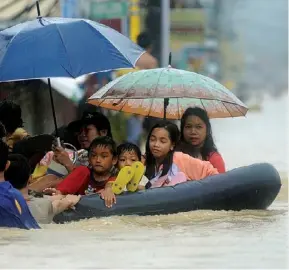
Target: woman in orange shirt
(196, 138)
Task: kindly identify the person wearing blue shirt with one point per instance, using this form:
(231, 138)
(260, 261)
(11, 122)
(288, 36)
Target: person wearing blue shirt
(14, 211)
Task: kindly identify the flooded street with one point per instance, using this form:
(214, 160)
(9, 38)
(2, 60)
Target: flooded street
(258, 137)
(200, 239)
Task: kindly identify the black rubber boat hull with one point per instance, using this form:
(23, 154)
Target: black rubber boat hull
(251, 187)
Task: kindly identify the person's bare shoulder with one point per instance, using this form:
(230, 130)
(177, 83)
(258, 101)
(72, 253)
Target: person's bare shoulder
(147, 61)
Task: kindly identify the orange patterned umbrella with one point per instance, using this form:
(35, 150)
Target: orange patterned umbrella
(167, 93)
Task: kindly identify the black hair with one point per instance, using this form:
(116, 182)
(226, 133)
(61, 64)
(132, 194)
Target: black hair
(2, 131)
(144, 40)
(101, 122)
(174, 134)
(97, 119)
(209, 145)
(10, 115)
(129, 147)
(4, 151)
(103, 141)
(18, 172)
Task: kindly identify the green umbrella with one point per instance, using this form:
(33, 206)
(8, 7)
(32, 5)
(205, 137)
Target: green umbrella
(167, 93)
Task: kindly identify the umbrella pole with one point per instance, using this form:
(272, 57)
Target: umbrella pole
(50, 91)
(53, 109)
(166, 103)
(167, 100)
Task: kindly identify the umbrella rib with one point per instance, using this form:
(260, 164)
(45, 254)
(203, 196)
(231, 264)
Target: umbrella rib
(239, 110)
(143, 105)
(183, 85)
(125, 101)
(156, 90)
(179, 115)
(65, 50)
(125, 56)
(203, 106)
(136, 81)
(227, 109)
(158, 81)
(109, 86)
(152, 100)
(123, 77)
(10, 41)
(101, 101)
(13, 36)
(215, 82)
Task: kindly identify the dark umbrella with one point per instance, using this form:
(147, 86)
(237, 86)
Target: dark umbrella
(62, 47)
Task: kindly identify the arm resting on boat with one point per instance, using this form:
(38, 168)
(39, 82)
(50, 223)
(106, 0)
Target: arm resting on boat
(107, 194)
(193, 168)
(64, 203)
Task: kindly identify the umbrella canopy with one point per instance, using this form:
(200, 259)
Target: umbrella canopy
(62, 47)
(146, 93)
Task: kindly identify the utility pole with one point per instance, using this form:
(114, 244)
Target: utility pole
(165, 32)
(218, 34)
(134, 20)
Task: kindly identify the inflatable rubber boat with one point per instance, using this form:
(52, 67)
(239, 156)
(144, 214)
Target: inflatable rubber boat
(251, 187)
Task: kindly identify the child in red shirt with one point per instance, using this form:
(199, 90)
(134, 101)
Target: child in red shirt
(97, 177)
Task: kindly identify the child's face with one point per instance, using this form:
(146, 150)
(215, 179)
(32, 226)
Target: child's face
(127, 158)
(160, 143)
(101, 159)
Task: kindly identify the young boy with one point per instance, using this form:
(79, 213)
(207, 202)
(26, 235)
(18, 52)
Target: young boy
(14, 211)
(98, 176)
(45, 208)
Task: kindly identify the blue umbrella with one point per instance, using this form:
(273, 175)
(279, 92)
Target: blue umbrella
(62, 47)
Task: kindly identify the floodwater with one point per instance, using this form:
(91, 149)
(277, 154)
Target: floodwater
(199, 239)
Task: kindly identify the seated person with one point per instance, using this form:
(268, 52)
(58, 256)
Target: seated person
(91, 126)
(173, 167)
(95, 178)
(101, 176)
(45, 208)
(33, 148)
(197, 139)
(67, 136)
(17, 138)
(131, 170)
(11, 118)
(14, 212)
(165, 166)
